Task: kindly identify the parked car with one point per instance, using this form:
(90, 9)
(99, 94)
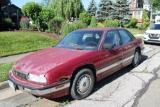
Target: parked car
(152, 35)
(72, 67)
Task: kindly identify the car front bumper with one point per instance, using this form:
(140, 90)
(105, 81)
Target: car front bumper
(147, 39)
(53, 91)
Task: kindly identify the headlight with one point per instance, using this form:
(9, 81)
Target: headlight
(35, 78)
(146, 33)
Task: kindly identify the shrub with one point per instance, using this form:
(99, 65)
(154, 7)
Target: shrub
(67, 28)
(24, 23)
(140, 26)
(111, 23)
(32, 26)
(85, 17)
(43, 26)
(146, 21)
(47, 31)
(51, 27)
(100, 25)
(132, 24)
(93, 23)
(7, 24)
(54, 24)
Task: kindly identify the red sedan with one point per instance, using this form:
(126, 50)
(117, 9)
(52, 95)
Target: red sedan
(72, 67)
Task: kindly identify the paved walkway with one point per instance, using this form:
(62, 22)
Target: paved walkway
(12, 58)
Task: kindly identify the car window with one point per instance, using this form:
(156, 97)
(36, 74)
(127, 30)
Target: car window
(112, 38)
(155, 27)
(131, 36)
(83, 40)
(72, 39)
(125, 38)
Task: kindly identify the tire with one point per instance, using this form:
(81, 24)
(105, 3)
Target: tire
(136, 58)
(83, 84)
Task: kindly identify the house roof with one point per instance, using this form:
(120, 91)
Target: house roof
(11, 5)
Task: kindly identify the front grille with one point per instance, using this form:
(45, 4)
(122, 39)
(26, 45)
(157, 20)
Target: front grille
(154, 36)
(154, 40)
(20, 74)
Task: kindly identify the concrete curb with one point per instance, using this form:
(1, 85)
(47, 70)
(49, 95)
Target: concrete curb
(4, 85)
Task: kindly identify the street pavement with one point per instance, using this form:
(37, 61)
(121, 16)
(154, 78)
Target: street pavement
(127, 90)
(151, 97)
(138, 87)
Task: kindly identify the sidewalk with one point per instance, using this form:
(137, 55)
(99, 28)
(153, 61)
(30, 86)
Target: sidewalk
(13, 58)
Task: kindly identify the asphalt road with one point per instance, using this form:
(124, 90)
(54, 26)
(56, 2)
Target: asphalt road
(137, 87)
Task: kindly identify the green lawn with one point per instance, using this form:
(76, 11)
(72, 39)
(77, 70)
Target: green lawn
(136, 31)
(21, 42)
(4, 69)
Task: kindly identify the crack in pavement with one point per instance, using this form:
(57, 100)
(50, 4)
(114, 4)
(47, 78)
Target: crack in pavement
(140, 93)
(138, 77)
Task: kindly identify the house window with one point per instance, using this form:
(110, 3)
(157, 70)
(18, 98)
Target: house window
(133, 3)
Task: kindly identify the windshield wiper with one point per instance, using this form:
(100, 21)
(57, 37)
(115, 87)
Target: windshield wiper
(78, 48)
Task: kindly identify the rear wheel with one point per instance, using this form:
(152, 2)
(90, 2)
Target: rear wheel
(82, 84)
(137, 58)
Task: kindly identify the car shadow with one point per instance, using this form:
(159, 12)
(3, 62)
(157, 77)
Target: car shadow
(103, 82)
(143, 58)
(156, 44)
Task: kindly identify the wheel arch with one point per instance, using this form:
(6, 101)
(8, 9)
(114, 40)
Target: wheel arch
(139, 49)
(89, 66)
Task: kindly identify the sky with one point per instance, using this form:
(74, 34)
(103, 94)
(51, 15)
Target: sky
(20, 3)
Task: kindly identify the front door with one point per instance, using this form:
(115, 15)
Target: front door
(110, 60)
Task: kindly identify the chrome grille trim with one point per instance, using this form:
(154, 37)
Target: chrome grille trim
(20, 74)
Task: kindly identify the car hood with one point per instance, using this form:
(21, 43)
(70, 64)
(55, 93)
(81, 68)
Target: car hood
(45, 60)
(153, 31)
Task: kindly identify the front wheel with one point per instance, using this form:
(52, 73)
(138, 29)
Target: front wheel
(136, 58)
(82, 84)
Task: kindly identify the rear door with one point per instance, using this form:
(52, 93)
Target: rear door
(110, 60)
(127, 46)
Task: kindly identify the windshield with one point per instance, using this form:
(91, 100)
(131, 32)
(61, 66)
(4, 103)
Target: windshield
(81, 40)
(155, 27)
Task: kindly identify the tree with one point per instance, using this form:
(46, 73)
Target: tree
(67, 8)
(85, 17)
(46, 14)
(92, 8)
(111, 22)
(46, 3)
(155, 4)
(146, 21)
(106, 9)
(32, 10)
(93, 23)
(122, 12)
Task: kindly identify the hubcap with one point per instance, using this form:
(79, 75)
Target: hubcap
(136, 58)
(83, 84)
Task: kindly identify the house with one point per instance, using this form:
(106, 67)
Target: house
(3, 3)
(13, 12)
(137, 7)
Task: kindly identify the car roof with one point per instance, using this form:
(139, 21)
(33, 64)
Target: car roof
(103, 29)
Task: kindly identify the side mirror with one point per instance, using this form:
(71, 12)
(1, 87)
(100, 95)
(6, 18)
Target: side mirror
(108, 46)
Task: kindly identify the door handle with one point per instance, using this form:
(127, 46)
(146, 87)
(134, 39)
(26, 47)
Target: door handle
(120, 49)
(132, 45)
